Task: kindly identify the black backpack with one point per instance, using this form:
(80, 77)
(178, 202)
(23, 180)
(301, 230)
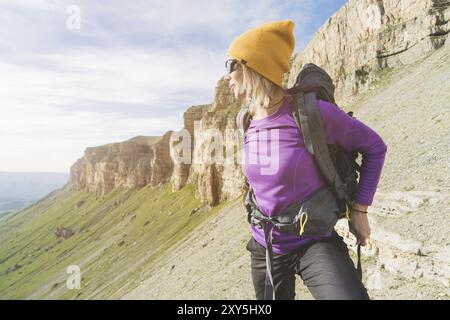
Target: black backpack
(337, 165)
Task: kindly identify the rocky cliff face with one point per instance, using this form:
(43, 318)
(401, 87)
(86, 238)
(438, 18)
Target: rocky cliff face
(133, 163)
(215, 166)
(353, 46)
(365, 36)
(181, 169)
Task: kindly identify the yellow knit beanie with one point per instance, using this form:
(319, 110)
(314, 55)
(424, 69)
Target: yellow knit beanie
(266, 49)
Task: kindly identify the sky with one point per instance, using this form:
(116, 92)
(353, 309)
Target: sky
(77, 74)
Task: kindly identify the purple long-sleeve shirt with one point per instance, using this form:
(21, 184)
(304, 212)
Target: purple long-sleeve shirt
(281, 171)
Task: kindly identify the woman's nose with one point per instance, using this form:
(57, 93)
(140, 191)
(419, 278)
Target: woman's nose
(227, 77)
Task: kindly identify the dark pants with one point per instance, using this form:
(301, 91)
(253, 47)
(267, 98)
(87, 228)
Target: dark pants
(325, 267)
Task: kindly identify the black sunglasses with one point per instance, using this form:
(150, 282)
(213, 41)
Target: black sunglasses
(231, 64)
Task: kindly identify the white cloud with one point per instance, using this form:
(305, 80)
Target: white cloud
(64, 90)
(32, 100)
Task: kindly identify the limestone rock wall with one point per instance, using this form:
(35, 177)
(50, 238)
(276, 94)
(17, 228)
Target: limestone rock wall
(366, 36)
(133, 163)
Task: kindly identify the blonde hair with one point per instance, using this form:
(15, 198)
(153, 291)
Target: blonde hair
(258, 89)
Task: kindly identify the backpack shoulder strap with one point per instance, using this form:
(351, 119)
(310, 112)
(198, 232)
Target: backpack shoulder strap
(242, 119)
(302, 120)
(242, 123)
(312, 129)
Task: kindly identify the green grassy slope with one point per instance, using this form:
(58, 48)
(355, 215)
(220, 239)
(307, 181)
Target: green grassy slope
(117, 237)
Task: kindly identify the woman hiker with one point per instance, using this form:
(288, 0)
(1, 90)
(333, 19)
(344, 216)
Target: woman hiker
(256, 62)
